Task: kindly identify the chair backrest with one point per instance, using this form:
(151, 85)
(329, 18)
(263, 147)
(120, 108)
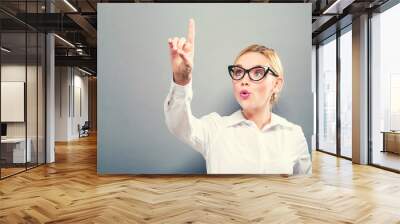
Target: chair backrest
(86, 125)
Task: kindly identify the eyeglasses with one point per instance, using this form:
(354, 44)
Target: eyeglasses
(256, 73)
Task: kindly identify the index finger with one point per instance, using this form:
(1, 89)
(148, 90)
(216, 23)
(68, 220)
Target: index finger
(191, 31)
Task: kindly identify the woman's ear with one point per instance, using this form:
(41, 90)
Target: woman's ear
(278, 84)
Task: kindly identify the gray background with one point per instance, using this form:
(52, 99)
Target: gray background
(134, 75)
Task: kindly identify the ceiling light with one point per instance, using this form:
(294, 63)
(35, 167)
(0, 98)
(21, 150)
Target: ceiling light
(331, 7)
(5, 49)
(84, 71)
(65, 41)
(70, 5)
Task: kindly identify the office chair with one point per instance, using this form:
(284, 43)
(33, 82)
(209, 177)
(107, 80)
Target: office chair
(84, 130)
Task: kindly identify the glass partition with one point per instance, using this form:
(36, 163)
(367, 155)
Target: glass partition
(22, 77)
(13, 103)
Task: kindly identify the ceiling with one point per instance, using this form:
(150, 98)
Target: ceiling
(76, 22)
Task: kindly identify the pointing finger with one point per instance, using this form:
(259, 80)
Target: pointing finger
(191, 31)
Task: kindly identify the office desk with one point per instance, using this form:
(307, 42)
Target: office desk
(13, 150)
(391, 141)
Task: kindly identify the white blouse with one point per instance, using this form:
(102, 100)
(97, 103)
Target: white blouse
(234, 145)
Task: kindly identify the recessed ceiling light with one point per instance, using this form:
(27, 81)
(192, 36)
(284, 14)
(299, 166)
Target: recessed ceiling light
(5, 50)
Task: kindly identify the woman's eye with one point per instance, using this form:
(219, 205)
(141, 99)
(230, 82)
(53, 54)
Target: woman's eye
(238, 73)
(258, 73)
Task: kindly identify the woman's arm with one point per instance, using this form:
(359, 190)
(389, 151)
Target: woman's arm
(180, 122)
(303, 165)
(178, 115)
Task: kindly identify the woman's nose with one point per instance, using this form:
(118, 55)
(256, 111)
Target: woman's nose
(245, 81)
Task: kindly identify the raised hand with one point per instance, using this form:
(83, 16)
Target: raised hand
(181, 54)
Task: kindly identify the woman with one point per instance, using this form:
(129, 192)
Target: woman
(252, 140)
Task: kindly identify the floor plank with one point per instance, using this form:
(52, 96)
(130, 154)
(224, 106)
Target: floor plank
(70, 191)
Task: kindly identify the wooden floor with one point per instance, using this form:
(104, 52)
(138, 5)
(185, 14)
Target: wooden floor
(70, 191)
(387, 159)
(8, 171)
(5, 172)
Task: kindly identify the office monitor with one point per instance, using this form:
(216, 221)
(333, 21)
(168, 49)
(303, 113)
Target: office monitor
(3, 129)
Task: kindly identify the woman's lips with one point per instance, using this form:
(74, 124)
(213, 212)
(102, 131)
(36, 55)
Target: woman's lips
(244, 94)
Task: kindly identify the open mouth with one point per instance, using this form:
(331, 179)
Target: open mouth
(244, 94)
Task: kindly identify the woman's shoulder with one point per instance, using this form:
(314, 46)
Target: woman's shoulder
(282, 121)
(212, 118)
(286, 123)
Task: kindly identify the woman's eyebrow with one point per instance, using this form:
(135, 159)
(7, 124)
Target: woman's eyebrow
(253, 66)
(257, 66)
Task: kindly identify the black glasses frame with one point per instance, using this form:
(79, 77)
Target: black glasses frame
(267, 70)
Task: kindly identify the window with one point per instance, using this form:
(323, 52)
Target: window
(327, 96)
(385, 89)
(346, 92)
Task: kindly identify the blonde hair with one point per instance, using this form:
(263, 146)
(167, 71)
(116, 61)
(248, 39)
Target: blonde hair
(273, 60)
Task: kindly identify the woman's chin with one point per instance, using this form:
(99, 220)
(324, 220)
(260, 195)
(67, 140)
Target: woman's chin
(246, 105)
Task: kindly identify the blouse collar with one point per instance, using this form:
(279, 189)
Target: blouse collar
(237, 118)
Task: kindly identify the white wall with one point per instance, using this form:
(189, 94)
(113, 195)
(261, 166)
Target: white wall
(69, 82)
(62, 81)
(80, 83)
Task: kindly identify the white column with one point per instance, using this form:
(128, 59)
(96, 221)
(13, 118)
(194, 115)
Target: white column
(50, 91)
(360, 90)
